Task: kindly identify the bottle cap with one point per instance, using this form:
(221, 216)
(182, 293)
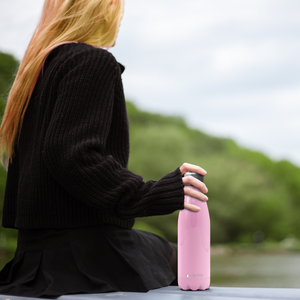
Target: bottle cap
(194, 174)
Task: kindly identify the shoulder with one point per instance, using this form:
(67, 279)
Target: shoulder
(87, 55)
(81, 57)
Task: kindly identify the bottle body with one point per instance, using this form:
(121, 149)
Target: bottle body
(194, 247)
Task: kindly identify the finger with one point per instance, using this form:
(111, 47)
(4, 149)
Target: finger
(191, 207)
(194, 193)
(189, 167)
(190, 180)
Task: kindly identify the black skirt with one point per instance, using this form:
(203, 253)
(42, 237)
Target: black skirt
(94, 259)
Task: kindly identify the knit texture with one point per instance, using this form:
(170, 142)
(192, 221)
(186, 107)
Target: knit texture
(70, 164)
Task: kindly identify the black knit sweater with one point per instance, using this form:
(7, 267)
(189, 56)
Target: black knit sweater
(70, 164)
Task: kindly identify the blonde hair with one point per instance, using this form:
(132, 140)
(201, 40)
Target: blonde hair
(94, 22)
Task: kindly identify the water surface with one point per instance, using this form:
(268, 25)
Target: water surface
(256, 270)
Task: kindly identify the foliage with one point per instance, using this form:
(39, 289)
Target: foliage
(248, 191)
(8, 67)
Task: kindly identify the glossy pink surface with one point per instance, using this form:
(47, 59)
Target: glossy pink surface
(194, 247)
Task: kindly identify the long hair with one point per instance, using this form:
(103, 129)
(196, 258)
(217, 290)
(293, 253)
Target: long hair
(94, 22)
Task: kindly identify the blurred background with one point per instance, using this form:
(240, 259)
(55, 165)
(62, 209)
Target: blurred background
(214, 83)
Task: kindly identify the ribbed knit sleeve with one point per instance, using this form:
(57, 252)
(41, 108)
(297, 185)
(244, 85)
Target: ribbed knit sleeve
(76, 147)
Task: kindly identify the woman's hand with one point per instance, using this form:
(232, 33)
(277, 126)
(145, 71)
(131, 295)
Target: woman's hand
(190, 180)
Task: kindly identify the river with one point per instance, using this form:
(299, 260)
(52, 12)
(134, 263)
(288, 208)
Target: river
(256, 270)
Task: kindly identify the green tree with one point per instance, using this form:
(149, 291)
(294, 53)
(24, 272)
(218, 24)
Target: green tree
(248, 191)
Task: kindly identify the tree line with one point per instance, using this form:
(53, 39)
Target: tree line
(248, 192)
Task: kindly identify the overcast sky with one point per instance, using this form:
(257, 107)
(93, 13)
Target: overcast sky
(229, 67)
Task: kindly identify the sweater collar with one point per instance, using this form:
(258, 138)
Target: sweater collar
(122, 68)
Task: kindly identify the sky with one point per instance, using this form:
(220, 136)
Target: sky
(230, 68)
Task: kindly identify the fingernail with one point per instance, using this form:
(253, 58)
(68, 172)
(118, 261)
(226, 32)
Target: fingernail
(206, 198)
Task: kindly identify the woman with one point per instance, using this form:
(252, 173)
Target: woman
(69, 192)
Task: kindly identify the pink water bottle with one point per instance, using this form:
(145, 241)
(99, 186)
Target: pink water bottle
(194, 244)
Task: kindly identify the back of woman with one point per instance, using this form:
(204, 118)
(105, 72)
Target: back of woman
(66, 141)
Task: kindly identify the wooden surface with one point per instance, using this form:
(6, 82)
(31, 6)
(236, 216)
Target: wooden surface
(174, 293)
